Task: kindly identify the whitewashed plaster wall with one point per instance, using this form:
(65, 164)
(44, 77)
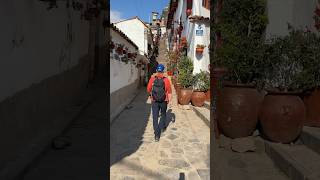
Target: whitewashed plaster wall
(36, 44)
(121, 74)
(200, 62)
(137, 32)
(299, 13)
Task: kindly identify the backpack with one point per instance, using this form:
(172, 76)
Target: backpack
(158, 90)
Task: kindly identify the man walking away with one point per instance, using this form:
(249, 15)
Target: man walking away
(159, 88)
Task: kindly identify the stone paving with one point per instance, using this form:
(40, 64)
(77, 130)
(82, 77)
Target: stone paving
(181, 153)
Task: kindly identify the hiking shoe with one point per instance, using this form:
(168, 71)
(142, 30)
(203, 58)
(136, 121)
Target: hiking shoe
(156, 139)
(164, 129)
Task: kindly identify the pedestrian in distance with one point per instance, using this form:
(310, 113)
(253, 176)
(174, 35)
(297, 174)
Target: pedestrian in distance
(159, 89)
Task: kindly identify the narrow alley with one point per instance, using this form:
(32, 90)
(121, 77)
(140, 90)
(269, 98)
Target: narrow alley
(182, 152)
(183, 149)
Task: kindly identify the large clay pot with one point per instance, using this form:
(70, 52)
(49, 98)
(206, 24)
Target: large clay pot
(198, 98)
(237, 110)
(312, 104)
(185, 96)
(282, 116)
(178, 88)
(208, 95)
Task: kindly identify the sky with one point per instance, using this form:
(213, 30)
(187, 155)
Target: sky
(125, 9)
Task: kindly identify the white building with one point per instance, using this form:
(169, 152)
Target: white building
(127, 71)
(139, 33)
(194, 27)
(297, 13)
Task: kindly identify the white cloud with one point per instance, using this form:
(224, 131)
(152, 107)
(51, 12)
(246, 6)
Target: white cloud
(115, 16)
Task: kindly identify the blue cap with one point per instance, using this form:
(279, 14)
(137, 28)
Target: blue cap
(160, 68)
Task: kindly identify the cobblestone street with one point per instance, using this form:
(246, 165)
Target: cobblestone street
(181, 153)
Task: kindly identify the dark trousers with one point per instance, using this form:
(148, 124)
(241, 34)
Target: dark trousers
(156, 108)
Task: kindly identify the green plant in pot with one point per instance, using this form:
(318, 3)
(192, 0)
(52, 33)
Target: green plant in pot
(241, 54)
(291, 66)
(185, 79)
(201, 85)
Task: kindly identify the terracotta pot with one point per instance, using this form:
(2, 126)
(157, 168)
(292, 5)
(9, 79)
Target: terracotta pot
(282, 116)
(312, 104)
(178, 87)
(184, 96)
(208, 95)
(199, 50)
(237, 110)
(198, 98)
(188, 12)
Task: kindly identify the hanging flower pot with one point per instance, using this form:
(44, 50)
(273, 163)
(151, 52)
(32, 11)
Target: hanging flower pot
(189, 12)
(119, 50)
(199, 49)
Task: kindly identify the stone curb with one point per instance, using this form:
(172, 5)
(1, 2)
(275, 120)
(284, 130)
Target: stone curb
(311, 138)
(201, 116)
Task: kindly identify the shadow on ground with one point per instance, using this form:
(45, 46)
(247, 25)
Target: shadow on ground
(86, 157)
(126, 132)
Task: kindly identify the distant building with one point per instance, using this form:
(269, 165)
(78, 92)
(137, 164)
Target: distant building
(139, 33)
(189, 21)
(297, 13)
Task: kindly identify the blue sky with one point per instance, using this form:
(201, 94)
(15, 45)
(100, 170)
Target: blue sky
(124, 9)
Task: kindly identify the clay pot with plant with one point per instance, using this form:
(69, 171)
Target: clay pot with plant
(186, 80)
(238, 60)
(200, 48)
(283, 111)
(201, 85)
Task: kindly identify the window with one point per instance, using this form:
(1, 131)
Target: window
(206, 4)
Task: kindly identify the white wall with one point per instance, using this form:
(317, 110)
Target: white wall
(200, 62)
(121, 74)
(40, 54)
(135, 30)
(299, 13)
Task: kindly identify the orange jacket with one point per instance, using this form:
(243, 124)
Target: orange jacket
(167, 85)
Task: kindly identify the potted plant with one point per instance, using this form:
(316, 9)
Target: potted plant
(186, 80)
(283, 112)
(200, 48)
(239, 59)
(201, 85)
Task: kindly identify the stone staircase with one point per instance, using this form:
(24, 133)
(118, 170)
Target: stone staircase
(162, 52)
(299, 161)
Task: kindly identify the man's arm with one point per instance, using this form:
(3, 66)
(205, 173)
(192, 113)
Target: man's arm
(149, 86)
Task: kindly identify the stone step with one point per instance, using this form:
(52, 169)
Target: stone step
(298, 162)
(203, 113)
(310, 137)
(255, 165)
